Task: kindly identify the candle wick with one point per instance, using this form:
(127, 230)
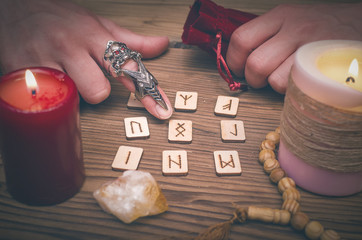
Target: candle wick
(350, 79)
(33, 92)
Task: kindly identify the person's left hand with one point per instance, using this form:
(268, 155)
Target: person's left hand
(67, 37)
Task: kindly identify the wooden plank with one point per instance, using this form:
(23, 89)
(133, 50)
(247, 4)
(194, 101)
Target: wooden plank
(174, 163)
(232, 131)
(134, 103)
(200, 199)
(226, 106)
(136, 127)
(227, 163)
(186, 101)
(127, 158)
(180, 131)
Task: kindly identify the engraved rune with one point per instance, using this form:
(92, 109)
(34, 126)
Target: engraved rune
(177, 163)
(227, 106)
(230, 163)
(139, 125)
(129, 154)
(186, 97)
(236, 130)
(180, 129)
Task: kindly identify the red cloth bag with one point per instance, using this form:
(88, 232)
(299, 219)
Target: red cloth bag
(209, 26)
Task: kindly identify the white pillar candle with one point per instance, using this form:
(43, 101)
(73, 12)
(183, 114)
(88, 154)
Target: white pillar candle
(326, 71)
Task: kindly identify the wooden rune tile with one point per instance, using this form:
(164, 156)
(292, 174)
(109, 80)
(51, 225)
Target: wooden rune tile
(226, 106)
(127, 158)
(227, 163)
(174, 163)
(232, 131)
(136, 127)
(186, 101)
(180, 131)
(134, 103)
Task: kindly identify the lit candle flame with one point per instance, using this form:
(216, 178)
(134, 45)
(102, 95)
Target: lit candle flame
(353, 68)
(31, 82)
(352, 72)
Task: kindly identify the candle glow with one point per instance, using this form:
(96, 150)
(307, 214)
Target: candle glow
(31, 82)
(324, 66)
(352, 71)
(340, 65)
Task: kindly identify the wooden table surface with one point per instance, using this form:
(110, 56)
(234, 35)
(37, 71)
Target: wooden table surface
(199, 199)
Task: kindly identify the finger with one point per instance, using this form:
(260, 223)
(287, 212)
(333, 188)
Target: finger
(156, 109)
(50, 64)
(267, 57)
(128, 83)
(248, 37)
(152, 46)
(14, 59)
(148, 46)
(88, 77)
(150, 104)
(278, 80)
(9, 67)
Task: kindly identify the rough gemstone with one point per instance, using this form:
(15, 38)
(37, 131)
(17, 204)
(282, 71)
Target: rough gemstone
(134, 194)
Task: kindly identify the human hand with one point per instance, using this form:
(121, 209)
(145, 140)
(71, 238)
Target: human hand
(263, 49)
(67, 37)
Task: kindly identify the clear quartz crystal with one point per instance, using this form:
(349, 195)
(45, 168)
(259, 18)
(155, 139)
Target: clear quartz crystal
(134, 194)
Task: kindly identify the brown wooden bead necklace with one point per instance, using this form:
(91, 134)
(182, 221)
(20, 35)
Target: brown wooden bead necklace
(290, 209)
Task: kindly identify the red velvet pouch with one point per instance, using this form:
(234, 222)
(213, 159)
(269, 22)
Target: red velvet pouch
(209, 26)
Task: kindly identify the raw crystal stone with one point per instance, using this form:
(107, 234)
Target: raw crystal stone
(134, 194)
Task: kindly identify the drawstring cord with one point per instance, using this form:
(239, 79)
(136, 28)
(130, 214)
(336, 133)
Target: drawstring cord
(234, 86)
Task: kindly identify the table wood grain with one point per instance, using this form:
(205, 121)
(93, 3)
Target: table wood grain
(201, 198)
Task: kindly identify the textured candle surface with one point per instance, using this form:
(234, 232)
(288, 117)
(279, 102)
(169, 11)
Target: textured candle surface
(41, 146)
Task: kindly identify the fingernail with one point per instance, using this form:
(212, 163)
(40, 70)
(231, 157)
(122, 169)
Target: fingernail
(163, 113)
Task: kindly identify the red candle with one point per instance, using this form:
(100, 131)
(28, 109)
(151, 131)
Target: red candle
(40, 136)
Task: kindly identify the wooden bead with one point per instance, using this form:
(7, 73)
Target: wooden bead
(314, 230)
(277, 130)
(291, 205)
(330, 235)
(273, 136)
(268, 215)
(277, 174)
(267, 144)
(291, 193)
(299, 221)
(266, 154)
(285, 183)
(270, 164)
(281, 217)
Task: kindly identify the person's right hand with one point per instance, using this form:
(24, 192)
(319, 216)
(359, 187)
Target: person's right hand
(263, 49)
